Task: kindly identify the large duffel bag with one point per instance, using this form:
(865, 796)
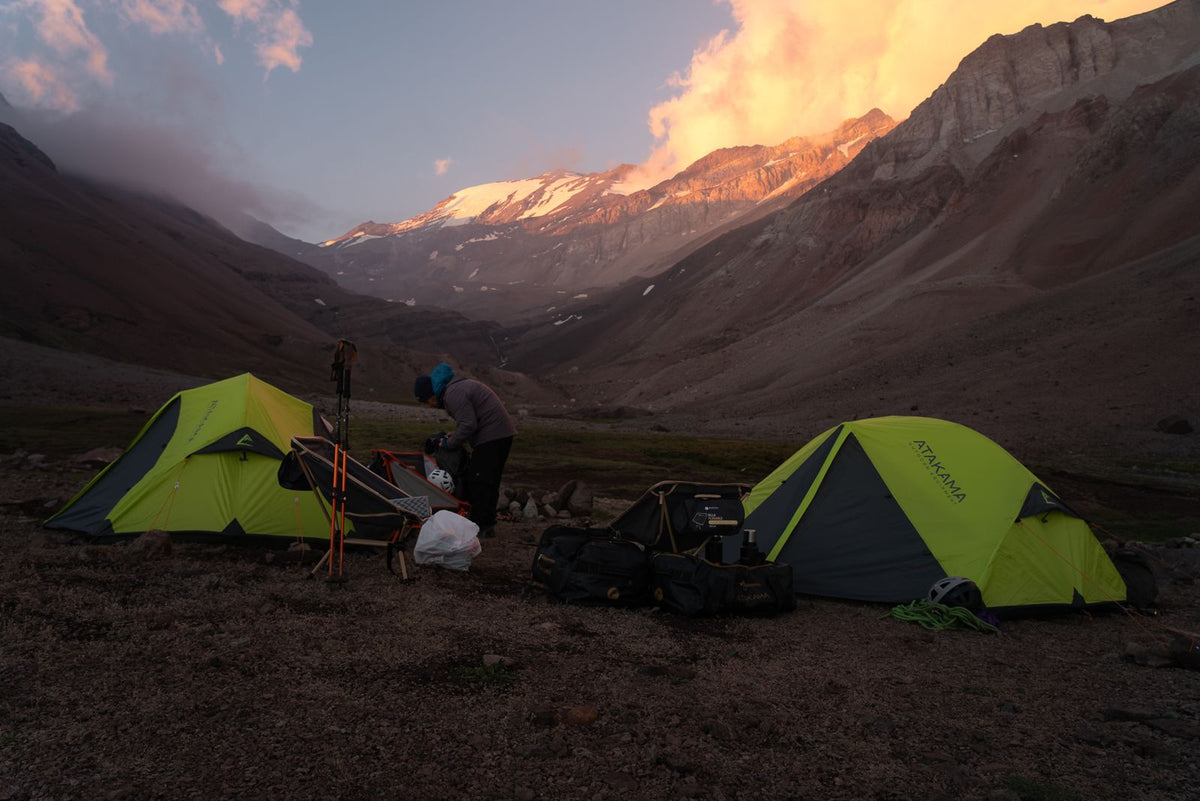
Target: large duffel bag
(680, 516)
(592, 566)
(688, 585)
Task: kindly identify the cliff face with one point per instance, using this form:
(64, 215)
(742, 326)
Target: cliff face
(1029, 234)
(1038, 69)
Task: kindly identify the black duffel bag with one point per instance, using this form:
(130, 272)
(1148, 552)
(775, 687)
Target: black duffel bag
(592, 566)
(694, 587)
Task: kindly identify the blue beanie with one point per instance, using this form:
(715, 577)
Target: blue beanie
(440, 377)
(423, 388)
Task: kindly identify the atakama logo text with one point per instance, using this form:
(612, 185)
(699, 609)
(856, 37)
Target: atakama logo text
(938, 471)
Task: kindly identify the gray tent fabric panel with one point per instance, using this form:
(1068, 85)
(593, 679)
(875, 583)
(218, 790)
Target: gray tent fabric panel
(772, 515)
(1041, 500)
(855, 541)
(89, 513)
(243, 439)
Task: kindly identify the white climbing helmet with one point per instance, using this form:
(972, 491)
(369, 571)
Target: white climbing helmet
(956, 591)
(440, 478)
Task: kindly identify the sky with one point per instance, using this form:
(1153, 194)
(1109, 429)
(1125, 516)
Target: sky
(316, 116)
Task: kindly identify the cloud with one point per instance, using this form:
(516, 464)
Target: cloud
(164, 16)
(54, 63)
(64, 62)
(279, 31)
(118, 145)
(42, 85)
(798, 67)
(60, 24)
(440, 166)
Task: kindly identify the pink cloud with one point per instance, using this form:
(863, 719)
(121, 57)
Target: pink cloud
(279, 31)
(440, 166)
(60, 24)
(798, 67)
(282, 40)
(247, 10)
(43, 86)
(164, 16)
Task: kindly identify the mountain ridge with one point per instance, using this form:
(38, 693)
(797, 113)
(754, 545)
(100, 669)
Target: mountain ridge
(500, 249)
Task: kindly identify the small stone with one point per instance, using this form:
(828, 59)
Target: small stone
(1174, 424)
(1181, 729)
(492, 660)
(153, 543)
(97, 457)
(565, 715)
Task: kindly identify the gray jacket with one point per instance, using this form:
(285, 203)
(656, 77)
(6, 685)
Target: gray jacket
(478, 413)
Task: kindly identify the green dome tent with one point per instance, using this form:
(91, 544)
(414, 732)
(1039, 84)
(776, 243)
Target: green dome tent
(880, 509)
(206, 463)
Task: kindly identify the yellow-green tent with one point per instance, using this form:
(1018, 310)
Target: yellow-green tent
(206, 463)
(880, 509)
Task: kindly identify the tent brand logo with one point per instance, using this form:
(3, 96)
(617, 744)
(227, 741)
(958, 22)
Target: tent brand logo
(246, 441)
(939, 471)
(203, 420)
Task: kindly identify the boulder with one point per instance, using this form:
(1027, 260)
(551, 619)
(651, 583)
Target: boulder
(582, 501)
(564, 494)
(531, 510)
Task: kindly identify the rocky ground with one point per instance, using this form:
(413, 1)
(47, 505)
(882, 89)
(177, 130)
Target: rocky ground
(211, 671)
(215, 671)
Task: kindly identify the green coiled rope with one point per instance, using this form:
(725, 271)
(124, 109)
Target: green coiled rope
(939, 617)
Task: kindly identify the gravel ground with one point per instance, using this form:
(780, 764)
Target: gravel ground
(215, 671)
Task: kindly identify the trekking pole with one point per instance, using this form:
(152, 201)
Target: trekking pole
(344, 357)
(342, 521)
(333, 511)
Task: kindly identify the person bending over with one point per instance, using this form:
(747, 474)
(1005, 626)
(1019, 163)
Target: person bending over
(482, 424)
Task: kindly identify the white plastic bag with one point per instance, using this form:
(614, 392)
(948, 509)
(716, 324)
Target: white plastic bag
(447, 539)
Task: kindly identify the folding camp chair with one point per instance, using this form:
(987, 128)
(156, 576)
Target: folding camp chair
(381, 513)
(406, 469)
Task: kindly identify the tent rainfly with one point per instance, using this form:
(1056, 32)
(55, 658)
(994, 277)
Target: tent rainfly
(880, 509)
(206, 463)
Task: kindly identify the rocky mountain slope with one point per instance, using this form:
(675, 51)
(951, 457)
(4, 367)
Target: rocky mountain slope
(102, 271)
(500, 248)
(1024, 244)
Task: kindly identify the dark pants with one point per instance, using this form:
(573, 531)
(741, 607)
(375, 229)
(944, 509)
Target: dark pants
(483, 479)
